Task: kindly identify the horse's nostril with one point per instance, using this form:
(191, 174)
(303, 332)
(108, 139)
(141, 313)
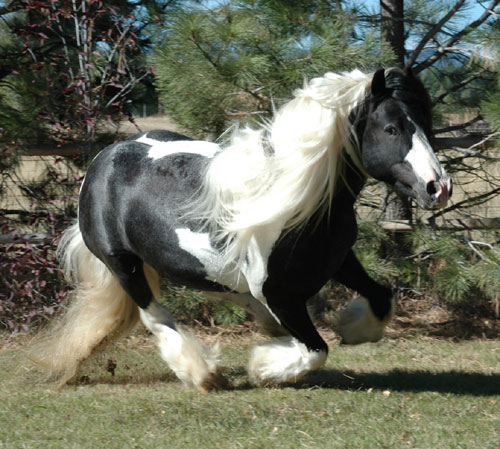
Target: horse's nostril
(432, 187)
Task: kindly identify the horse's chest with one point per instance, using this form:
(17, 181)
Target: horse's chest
(302, 265)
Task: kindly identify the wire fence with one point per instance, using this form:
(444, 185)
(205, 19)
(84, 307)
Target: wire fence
(40, 187)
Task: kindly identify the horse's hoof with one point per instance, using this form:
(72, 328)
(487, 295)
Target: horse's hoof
(214, 382)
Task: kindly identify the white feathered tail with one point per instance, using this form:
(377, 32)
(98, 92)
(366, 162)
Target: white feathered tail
(99, 311)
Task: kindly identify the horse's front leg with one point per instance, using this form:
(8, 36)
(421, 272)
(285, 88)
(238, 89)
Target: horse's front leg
(363, 320)
(287, 359)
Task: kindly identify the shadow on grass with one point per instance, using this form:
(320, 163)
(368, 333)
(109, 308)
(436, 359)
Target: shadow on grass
(455, 382)
(452, 381)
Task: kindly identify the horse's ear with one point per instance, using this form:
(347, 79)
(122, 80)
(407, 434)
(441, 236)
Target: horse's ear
(378, 83)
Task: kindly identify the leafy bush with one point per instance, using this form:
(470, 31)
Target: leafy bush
(31, 287)
(192, 306)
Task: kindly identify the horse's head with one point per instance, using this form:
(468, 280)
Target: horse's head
(395, 145)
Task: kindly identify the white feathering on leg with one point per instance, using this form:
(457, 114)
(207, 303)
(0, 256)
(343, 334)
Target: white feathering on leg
(357, 323)
(282, 360)
(194, 364)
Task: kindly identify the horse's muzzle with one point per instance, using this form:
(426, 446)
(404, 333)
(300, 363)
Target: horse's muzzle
(439, 192)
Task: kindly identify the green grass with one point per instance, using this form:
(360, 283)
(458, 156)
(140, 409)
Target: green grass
(419, 393)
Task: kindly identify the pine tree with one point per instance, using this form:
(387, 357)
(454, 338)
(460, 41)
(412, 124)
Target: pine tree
(240, 60)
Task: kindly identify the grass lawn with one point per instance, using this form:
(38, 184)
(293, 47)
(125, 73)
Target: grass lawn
(405, 393)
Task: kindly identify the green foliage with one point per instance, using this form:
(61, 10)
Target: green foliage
(491, 107)
(442, 83)
(454, 283)
(192, 306)
(463, 273)
(235, 61)
(371, 239)
(487, 275)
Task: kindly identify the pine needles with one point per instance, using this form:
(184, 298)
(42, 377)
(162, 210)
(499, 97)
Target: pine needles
(463, 273)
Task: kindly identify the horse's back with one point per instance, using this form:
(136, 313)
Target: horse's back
(133, 200)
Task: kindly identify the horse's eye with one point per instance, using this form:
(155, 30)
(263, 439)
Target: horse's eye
(391, 130)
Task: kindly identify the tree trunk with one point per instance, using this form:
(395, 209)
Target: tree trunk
(393, 32)
(396, 207)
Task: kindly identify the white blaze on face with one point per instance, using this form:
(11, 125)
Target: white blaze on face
(422, 159)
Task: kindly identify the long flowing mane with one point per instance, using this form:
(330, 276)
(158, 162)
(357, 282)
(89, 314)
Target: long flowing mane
(278, 176)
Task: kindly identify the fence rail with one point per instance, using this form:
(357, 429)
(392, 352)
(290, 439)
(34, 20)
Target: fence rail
(33, 237)
(456, 224)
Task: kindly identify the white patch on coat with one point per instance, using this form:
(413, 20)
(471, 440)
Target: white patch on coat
(422, 158)
(198, 245)
(282, 360)
(160, 149)
(251, 274)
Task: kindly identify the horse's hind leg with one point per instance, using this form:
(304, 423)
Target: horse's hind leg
(194, 364)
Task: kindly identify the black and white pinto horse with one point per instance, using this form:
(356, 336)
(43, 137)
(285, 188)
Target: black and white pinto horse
(263, 220)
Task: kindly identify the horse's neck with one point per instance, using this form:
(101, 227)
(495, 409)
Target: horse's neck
(350, 182)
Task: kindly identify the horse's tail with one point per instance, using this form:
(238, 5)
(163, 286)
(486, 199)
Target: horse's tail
(99, 311)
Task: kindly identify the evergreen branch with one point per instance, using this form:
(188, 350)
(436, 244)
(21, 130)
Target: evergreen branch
(205, 54)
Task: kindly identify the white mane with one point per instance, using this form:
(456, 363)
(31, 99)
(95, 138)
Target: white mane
(277, 177)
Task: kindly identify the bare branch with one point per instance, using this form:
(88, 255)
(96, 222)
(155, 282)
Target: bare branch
(64, 43)
(468, 202)
(442, 49)
(459, 127)
(468, 141)
(458, 86)
(22, 238)
(432, 32)
(456, 224)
